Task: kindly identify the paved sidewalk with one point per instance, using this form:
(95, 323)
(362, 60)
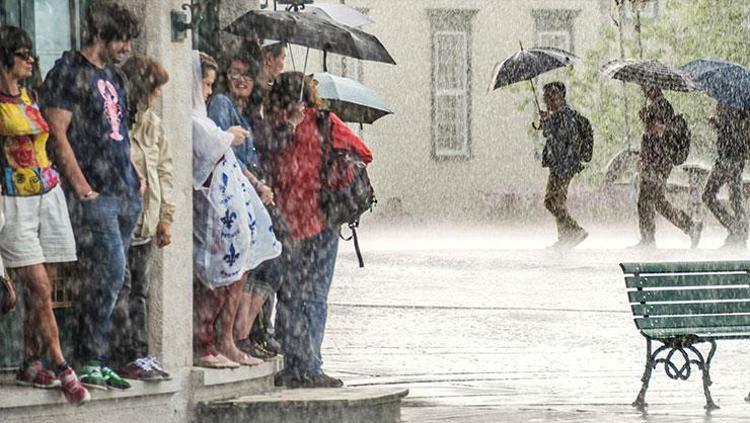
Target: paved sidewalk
(485, 325)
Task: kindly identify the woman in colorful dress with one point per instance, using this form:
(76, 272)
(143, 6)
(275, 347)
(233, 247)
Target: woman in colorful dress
(37, 231)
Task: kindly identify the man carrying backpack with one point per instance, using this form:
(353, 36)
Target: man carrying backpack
(569, 141)
(731, 152)
(657, 158)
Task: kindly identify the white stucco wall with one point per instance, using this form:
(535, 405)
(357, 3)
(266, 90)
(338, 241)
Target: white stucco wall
(502, 153)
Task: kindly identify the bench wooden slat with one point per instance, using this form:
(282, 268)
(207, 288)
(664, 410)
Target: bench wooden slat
(667, 280)
(683, 295)
(692, 321)
(678, 309)
(686, 267)
(717, 332)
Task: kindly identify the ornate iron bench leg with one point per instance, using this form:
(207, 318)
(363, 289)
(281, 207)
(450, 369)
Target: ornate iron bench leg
(706, 367)
(640, 401)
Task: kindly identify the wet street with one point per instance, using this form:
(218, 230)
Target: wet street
(484, 324)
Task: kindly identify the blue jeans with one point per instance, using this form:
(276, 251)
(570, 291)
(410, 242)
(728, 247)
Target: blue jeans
(302, 307)
(103, 229)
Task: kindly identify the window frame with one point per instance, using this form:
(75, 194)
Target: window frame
(455, 22)
(555, 20)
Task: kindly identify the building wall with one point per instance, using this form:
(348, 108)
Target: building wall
(502, 154)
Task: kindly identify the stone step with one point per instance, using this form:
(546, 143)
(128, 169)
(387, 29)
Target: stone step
(340, 405)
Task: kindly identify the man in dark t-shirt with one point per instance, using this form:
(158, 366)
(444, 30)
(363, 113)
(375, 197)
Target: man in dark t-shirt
(84, 101)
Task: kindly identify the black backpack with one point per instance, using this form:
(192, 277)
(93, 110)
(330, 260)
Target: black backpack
(586, 137)
(345, 189)
(679, 140)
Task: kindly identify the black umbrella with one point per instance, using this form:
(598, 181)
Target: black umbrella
(527, 64)
(650, 73)
(310, 31)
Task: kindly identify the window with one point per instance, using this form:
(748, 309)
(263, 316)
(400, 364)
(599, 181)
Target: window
(54, 25)
(555, 28)
(451, 83)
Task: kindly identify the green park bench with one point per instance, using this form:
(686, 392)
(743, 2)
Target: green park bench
(680, 305)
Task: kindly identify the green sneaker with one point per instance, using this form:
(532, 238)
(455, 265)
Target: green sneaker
(91, 376)
(114, 381)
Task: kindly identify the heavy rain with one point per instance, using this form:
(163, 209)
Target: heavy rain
(374, 210)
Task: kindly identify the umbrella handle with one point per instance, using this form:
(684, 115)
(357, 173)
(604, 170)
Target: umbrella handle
(291, 55)
(302, 88)
(536, 99)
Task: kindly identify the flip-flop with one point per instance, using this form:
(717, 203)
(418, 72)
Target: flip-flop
(248, 360)
(226, 363)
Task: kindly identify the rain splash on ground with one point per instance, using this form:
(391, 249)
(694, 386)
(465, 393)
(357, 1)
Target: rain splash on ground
(483, 324)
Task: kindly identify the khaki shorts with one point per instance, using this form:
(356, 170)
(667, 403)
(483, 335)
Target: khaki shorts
(37, 230)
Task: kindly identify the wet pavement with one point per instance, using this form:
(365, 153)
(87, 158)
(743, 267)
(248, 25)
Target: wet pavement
(483, 324)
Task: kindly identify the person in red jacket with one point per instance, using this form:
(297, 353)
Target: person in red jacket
(292, 146)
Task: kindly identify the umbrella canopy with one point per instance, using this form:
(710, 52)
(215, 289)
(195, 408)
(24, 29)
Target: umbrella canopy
(726, 82)
(340, 13)
(310, 31)
(528, 64)
(350, 100)
(649, 72)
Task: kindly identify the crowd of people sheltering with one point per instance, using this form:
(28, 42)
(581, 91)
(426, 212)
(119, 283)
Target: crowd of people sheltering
(258, 228)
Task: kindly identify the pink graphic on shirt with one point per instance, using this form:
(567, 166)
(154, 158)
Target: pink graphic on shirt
(112, 108)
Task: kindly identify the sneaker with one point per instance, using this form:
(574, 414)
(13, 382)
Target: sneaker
(34, 374)
(288, 380)
(695, 234)
(322, 381)
(560, 243)
(157, 368)
(73, 389)
(254, 349)
(578, 237)
(139, 369)
(91, 376)
(643, 244)
(113, 380)
(271, 345)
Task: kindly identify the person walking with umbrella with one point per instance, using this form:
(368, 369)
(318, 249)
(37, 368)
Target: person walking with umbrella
(655, 165)
(568, 137)
(731, 153)
(729, 84)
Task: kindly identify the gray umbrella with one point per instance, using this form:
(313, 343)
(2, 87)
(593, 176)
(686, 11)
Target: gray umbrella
(350, 100)
(310, 31)
(650, 73)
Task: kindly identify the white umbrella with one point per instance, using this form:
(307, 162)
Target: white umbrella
(340, 13)
(350, 100)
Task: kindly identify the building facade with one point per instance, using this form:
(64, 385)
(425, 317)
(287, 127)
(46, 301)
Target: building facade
(452, 149)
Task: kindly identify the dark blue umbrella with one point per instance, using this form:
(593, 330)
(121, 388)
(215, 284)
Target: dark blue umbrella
(726, 82)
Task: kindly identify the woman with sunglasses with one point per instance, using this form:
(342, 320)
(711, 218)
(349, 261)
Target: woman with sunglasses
(231, 106)
(37, 231)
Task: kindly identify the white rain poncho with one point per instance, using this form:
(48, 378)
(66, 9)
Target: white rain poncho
(232, 232)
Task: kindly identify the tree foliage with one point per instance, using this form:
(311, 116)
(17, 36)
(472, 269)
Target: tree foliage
(681, 32)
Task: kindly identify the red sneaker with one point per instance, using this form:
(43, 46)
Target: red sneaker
(74, 391)
(34, 374)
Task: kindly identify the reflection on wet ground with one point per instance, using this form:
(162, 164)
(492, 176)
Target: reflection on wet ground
(484, 324)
